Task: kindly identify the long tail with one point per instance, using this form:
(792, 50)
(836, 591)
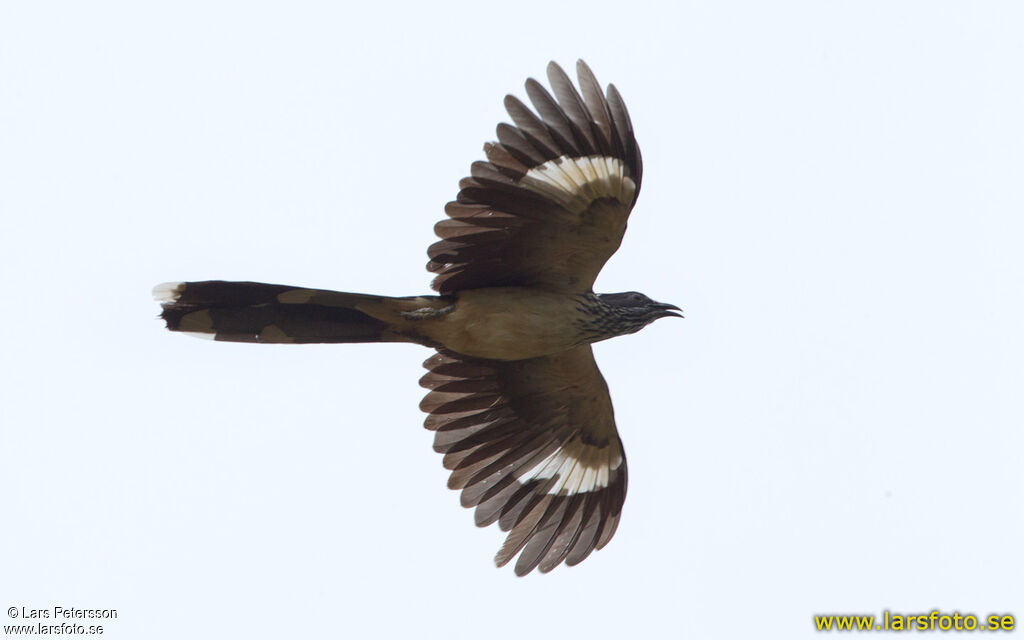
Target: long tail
(257, 312)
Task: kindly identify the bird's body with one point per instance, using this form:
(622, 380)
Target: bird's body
(519, 407)
(507, 323)
(496, 323)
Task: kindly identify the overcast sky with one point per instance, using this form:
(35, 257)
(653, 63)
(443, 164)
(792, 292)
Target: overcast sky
(832, 192)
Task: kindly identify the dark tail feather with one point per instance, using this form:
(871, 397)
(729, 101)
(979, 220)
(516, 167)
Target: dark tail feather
(256, 312)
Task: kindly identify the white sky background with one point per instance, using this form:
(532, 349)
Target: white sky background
(832, 192)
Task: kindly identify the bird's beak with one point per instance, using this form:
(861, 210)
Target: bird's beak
(669, 310)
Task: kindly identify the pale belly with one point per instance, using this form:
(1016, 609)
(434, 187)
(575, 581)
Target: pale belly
(508, 324)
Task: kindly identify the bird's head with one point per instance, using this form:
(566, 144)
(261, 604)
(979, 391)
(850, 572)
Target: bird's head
(632, 311)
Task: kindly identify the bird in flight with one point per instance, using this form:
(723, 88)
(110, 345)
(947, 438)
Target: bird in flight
(515, 399)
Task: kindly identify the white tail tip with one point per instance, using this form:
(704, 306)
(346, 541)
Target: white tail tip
(168, 291)
(199, 334)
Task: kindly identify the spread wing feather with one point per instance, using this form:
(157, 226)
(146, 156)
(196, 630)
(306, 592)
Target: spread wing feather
(549, 205)
(532, 445)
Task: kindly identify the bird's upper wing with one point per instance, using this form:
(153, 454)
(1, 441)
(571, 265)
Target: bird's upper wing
(549, 206)
(532, 445)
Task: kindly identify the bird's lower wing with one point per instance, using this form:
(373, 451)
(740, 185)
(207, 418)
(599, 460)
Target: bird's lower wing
(532, 445)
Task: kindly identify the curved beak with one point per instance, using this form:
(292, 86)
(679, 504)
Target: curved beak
(669, 310)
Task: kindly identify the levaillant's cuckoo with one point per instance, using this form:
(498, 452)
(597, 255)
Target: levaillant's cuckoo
(519, 408)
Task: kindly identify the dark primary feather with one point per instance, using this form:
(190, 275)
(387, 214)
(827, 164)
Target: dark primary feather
(599, 112)
(532, 132)
(555, 119)
(580, 120)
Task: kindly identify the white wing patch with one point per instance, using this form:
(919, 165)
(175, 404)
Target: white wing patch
(576, 182)
(580, 467)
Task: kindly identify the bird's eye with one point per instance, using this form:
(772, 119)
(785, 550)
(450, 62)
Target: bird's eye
(636, 297)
